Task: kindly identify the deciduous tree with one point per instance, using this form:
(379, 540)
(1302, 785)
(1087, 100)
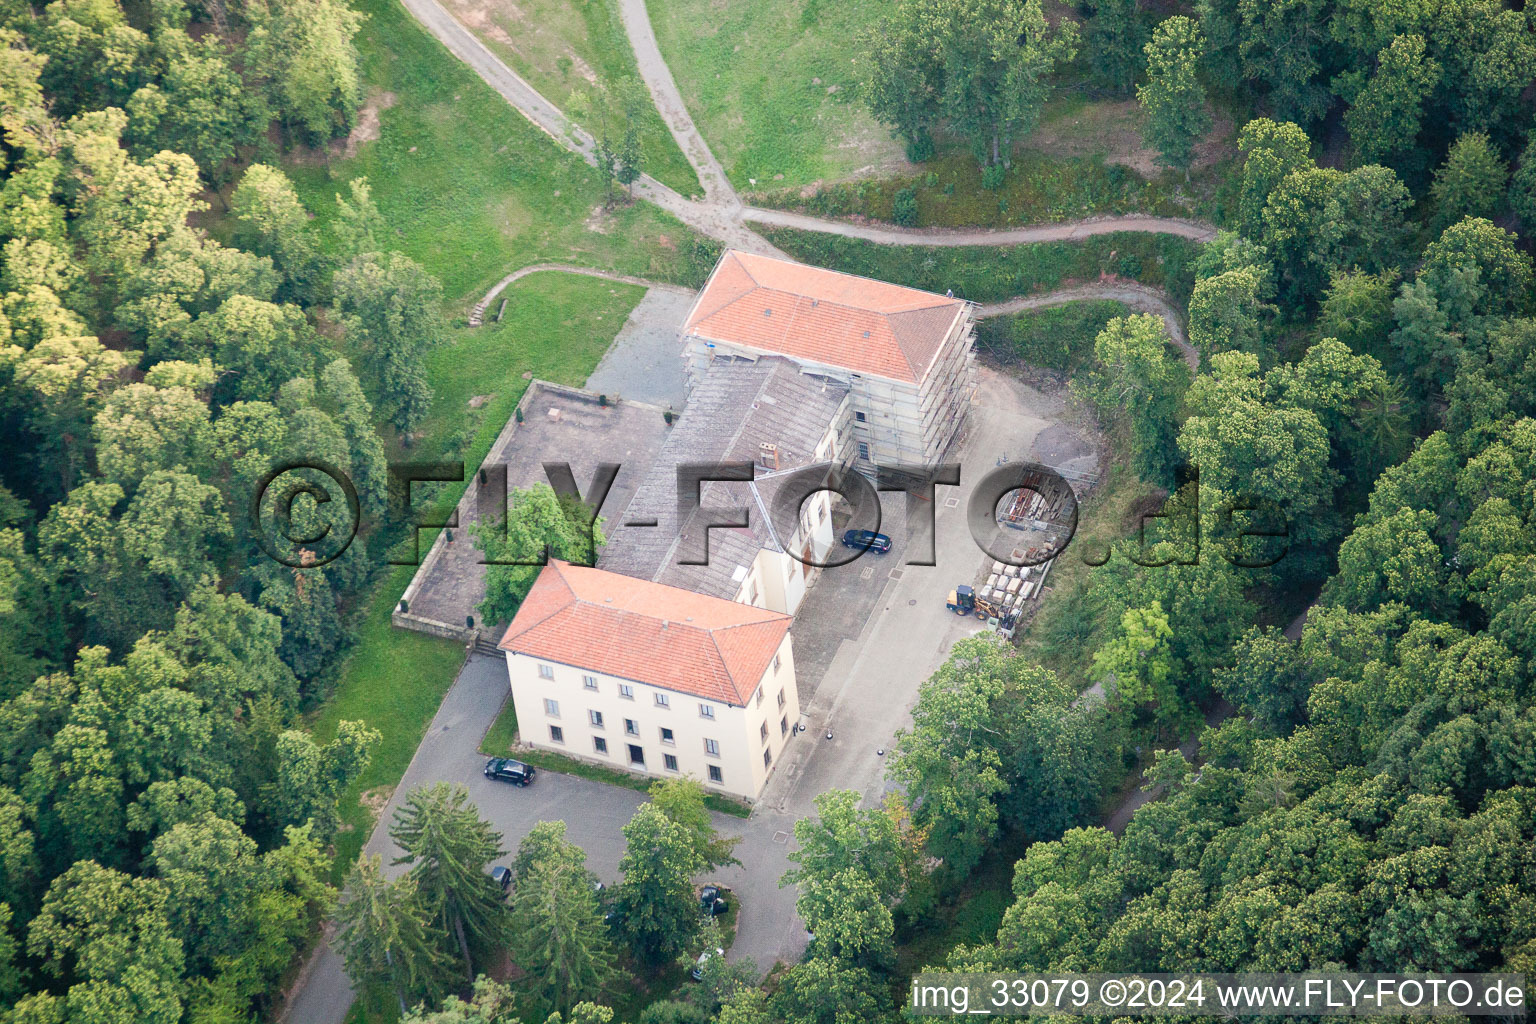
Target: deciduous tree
(659, 911)
(1173, 98)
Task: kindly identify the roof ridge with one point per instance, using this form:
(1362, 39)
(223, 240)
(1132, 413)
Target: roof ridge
(725, 663)
(570, 590)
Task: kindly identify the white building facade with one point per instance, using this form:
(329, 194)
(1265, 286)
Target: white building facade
(650, 679)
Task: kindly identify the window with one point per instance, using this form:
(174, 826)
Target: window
(706, 711)
(863, 451)
(546, 672)
(777, 660)
(859, 416)
(767, 758)
(636, 756)
(781, 700)
(626, 691)
(600, 745)
(670, 761)
(714, 774)
(596, 718)
(557, 734)
(752, 594)
(631, 727)
(821, 514)
(663, 701)
(763, 731)
(551, 708)
(666, 737)
(712, 748)
(759, 696)
(590, 682)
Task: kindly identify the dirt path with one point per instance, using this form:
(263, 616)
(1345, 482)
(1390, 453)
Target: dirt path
(669, 101)
(1140, 297)
(477, 315)
(720, 214)
(888, 234)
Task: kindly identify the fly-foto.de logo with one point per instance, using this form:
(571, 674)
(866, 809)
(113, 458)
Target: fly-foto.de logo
(306, 513)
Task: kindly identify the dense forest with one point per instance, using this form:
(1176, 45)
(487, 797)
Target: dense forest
(1359, 441)
(166, 819)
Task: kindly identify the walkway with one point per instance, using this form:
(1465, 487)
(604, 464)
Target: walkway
(1066, 231)
(477, 315)
(322, 994)
(720, 214)
(1141, 297)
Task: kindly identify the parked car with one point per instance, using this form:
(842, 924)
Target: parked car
(704, 958)
(867, 540)
(712, 901)
(502, 876)
(505, 769)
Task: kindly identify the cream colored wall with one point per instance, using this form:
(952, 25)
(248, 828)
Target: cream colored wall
(736, 729)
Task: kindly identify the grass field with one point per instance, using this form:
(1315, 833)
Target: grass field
(471, 189)
(993, 273)
(557, 327)
(1056, 337)
(771, 85)
(576, 54)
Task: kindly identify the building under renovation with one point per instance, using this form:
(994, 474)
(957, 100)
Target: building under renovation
(906, 357)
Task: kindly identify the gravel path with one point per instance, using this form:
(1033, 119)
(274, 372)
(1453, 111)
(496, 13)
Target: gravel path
(669, 101)
(720, 214)
(1140, 297)
(323, 994)
(889, 234)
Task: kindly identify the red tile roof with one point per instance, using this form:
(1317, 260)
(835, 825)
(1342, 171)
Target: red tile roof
(648, 632)
(866, 326)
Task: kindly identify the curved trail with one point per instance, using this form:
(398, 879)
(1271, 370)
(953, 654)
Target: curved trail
(1141, 297)
(1066, 231)
(721, 214)
(322, 994)
(477, 315)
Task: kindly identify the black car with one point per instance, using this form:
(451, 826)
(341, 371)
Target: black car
(502, 876)
(867, 540)
(712, 901)
(507, 770)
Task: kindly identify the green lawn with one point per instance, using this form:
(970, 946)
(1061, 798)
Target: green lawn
(994, 273)
(576, 54)
(557, 327)
(771, 85)
(1056, 337)
(471, 188)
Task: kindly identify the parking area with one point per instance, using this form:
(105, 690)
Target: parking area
(867, 636)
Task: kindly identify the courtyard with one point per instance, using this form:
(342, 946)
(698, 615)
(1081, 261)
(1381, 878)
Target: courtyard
(868, 634)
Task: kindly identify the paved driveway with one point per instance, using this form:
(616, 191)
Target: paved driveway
(864, 697)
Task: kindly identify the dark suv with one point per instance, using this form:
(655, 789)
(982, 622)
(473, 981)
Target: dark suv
(869, 540)
(507, 770)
